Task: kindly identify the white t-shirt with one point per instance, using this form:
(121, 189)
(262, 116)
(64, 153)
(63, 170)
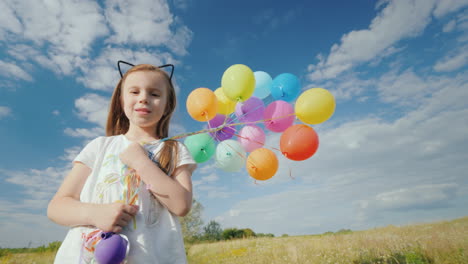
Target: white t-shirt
(157, 237)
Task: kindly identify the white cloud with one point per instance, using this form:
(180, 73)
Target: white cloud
(418, 197)
(404, 89)
(39, 185)
(209, 187)
(14, 71)
(146, 22)
(453, 61)
(71, 153)
(65, 28)
(181, 4)
(8, 20)
(450, 26)
(68, 29)
(212, 191)
(85, 132)
(210, 178)
(4, 111)
(93, 108)
(397, 20)
(446, 6)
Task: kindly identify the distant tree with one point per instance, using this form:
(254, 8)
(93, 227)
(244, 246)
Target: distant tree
(230, 233)
(284, 235)
(213, 231)
(192, 223)
(248, 232)
(344, 231)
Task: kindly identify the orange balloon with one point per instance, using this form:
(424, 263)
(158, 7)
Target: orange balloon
(262, 164)
(202, 104)
(299, 142)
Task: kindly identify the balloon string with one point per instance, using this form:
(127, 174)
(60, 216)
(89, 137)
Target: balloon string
(212, 130)
(262, 120)
(234, 117)
(290, 174)
(258, 142)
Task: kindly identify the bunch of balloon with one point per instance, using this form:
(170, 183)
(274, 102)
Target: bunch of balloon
(245, 106)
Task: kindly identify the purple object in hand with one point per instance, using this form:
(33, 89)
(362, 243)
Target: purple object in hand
(112, 249)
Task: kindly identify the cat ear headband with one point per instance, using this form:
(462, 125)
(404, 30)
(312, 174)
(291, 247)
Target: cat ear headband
(162, 66)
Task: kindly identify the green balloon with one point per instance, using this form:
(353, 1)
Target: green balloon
(201, 147)
(230, 156)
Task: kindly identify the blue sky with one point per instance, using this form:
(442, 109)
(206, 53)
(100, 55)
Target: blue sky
(394, 152)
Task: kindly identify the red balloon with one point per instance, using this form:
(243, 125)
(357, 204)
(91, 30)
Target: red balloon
(299, 142)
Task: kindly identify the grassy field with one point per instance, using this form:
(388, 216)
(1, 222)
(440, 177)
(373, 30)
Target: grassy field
(442, 242)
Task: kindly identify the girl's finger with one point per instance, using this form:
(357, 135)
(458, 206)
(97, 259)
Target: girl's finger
(122, 222)
(131, 209)
(117, 229)
(127, 217)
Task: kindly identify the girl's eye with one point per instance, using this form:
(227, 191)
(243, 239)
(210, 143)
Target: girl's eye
(134, 92)
(157, 95)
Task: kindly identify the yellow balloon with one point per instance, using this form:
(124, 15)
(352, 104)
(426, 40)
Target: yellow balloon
(238, 82)
(315, 106)
(202, 104)
(225, 105)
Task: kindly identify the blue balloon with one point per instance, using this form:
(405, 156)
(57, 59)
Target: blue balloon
(286, 87)
(262, 84)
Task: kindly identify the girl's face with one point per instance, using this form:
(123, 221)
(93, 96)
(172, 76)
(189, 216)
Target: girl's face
(144, 97)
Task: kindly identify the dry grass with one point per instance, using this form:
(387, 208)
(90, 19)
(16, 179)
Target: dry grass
(28, 258)
(443, 242)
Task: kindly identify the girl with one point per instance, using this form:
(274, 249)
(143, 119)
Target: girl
(118, 185)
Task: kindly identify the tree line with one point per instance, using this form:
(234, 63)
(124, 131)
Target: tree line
(194, 229)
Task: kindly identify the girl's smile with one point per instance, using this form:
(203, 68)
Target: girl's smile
(143, 111)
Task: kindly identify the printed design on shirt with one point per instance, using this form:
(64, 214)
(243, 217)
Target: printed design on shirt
(111, 159)
(131, 185)
(127, 177)
(90, 241)
(101, 188)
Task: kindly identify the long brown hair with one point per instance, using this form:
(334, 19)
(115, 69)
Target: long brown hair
(118, 123)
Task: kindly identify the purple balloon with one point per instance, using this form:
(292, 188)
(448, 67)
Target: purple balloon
(226, 132)
(279, 115)
(250, 110)
(112, 249)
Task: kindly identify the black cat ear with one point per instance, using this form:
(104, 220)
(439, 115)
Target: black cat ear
(162, 66)
(172, 69)
(124, 62)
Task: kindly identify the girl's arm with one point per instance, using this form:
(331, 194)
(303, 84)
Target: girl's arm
(174, 192)
(66, 209)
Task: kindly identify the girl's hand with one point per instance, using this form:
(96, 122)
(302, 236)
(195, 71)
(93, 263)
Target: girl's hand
(114, 217)
(133, 155)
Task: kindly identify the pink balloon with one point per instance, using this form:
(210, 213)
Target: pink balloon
(251, 137)
(279, 116)
(250, 110)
